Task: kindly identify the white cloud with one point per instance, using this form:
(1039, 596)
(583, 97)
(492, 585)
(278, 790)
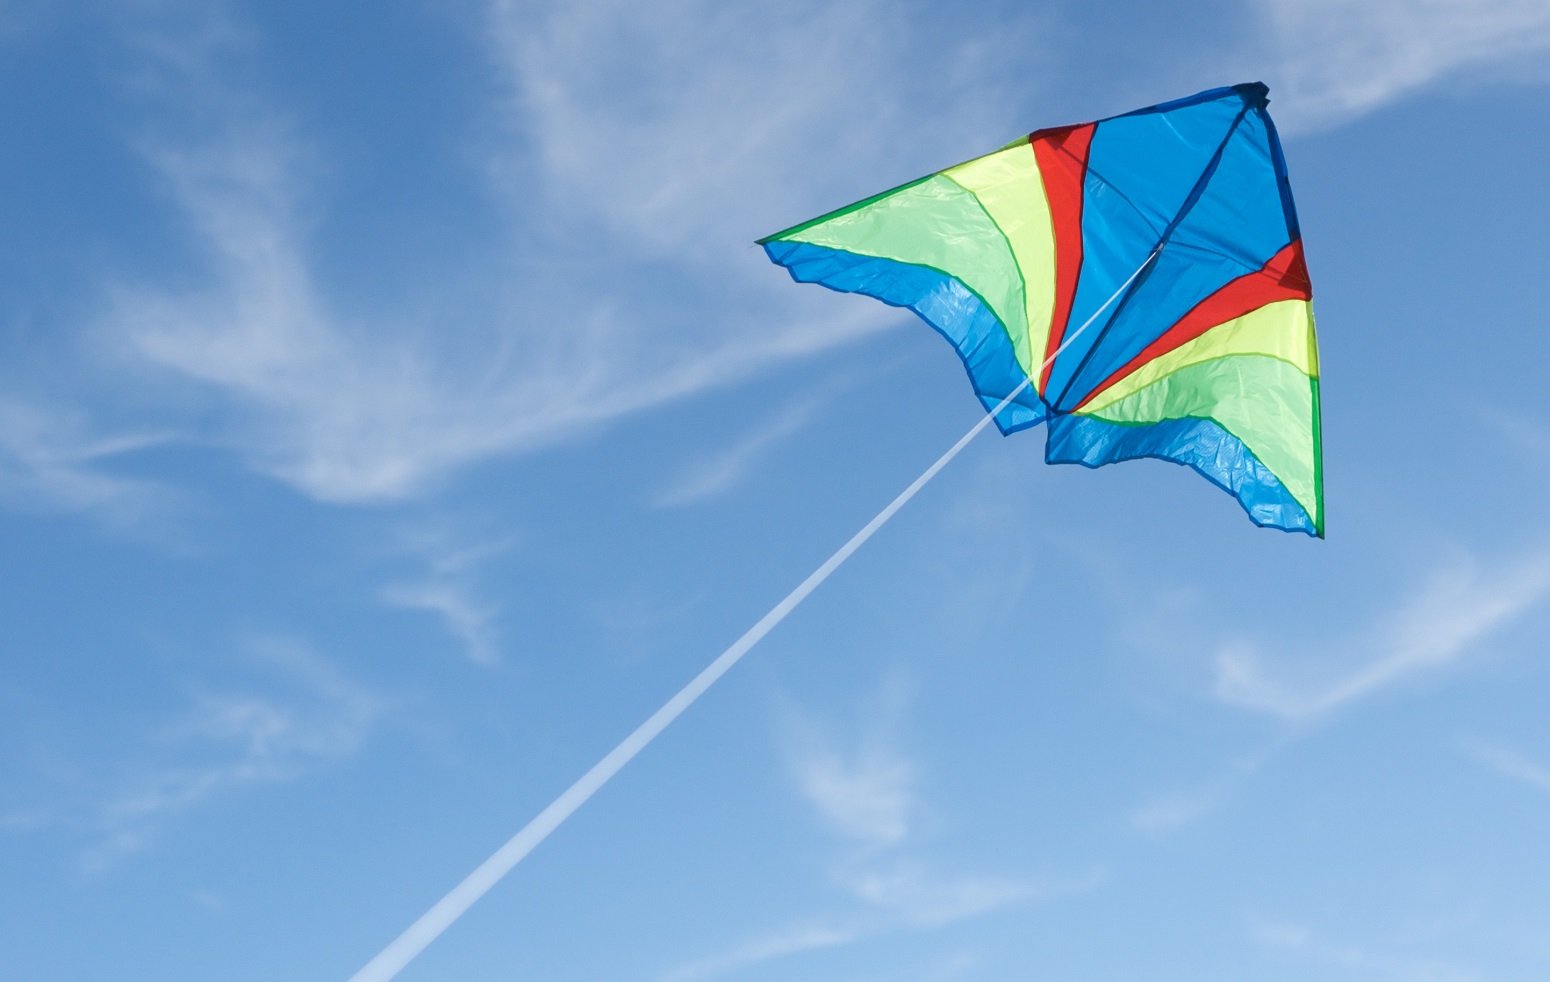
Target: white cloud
(1169, 811)
(1512, 764)
(304, 715)
(467, 619)
(1333, 60)
(921, 898)
(694, 125)
(793, 940)
(448, 588)
(866, 797)
(907, 897)
(349, 403)
(1370, 961)
(1172, 811)
(342, 412)
(865, 794)
(1437, 626)
(724, 471)
(51, 459)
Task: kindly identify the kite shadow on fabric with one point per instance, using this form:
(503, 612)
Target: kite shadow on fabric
(1170, 232)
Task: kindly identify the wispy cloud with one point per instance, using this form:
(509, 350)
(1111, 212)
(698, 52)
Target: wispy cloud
(1522, 431)
(1371, 961)
(792, 940)
(1441, 623)
(1511, 764)
(903, 899)
(1170, 811)
(53, 460)
(448, 589)
(866, 797)
(1334, 60)
(920, 897)
(1438, 625)
(864, 791)
(467, 619)
(306, 714)
(712, 141)
(578, 325)
(722, 472)
(344, 408)
(1176, 810)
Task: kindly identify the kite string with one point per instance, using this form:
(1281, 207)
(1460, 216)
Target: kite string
(419, 935)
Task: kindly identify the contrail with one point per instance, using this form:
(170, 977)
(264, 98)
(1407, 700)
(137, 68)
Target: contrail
(403, 949)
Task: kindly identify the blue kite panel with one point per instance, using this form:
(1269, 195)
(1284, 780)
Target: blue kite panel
(1141, 170)
(1237, 223)
(1201, 444)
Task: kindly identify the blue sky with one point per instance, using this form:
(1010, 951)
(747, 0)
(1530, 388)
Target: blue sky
(394, 411)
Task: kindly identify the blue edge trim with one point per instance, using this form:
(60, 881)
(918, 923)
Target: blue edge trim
(985, 349)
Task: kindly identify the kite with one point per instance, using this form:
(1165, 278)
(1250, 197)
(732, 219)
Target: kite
(1136, 283)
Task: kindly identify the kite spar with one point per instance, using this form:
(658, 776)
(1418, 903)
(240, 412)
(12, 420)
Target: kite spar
(1171, 229)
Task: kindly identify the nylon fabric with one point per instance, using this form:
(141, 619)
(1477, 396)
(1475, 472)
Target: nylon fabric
(1062, 156)
(939, 224)
(1200, 444)
(1265, 402)
(1275, 330)
(1234, 228)
(1010, 187)
(1170, 236)
(1140, 171)
(938, 299)
(1283, 278)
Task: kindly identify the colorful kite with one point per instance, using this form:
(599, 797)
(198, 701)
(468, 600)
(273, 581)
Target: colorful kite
(1138, 283)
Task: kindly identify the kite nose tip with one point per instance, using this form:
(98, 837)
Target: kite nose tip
(1256, 93)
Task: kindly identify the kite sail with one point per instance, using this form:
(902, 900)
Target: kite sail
(1167, 239)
